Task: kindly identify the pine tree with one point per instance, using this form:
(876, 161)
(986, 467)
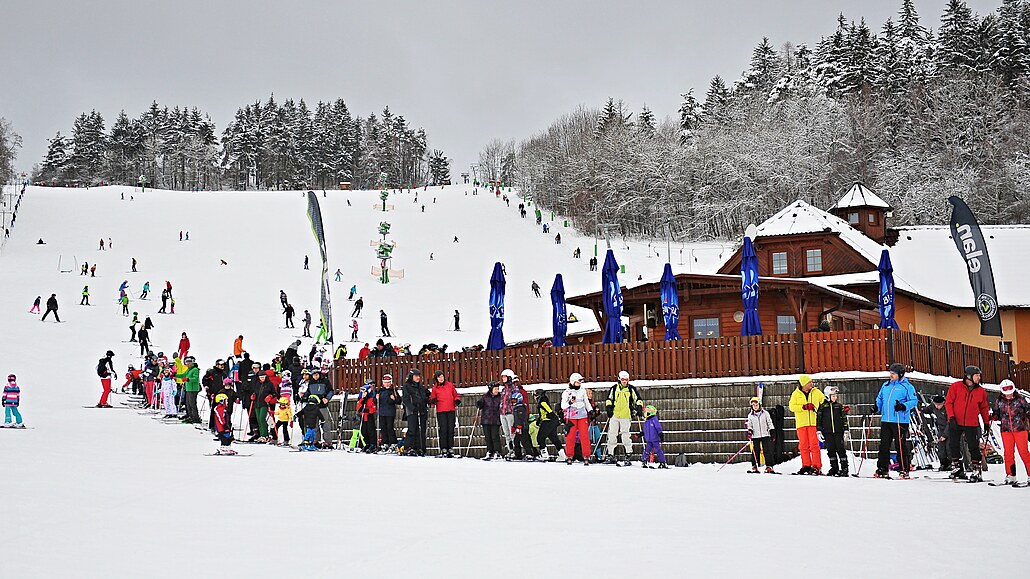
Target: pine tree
(690, 115)
(957, 37)
(439, 168)
(645, 122)
(715, 103)
(55, 162)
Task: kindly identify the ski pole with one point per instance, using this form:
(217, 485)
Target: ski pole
(472, 432)
(734, 456)
(865, 443)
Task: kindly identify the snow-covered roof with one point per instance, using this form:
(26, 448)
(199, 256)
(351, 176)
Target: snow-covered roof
(859, 196)
(800, 217)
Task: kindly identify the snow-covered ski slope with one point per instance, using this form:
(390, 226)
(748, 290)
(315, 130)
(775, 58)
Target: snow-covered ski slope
(111, 493)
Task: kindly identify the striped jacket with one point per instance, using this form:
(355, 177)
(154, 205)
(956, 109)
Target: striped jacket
(12, 394)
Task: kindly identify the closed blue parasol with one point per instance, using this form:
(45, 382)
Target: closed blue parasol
(496, 339)
(670, 303)
(611, 293)
(886, 291)
(749, 290)
(559, 319)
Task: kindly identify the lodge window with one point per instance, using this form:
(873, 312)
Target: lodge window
(1006, 348)
(813, 260)
(853, 218)
(706, 327)
(786, 325)
(872, 218)
(779, 262)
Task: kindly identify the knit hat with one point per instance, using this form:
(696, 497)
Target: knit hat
(937, 399)
(804, 379)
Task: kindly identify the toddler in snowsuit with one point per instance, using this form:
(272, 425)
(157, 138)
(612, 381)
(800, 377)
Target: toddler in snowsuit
(832, 420)
(168, 393)
(12, 397)
(759, 432)
(310, 414)
(283, 417)
(653, 438)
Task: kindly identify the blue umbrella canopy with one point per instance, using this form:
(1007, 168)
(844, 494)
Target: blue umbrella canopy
(751, 325)
(612, 296)
(886, 291)
(496, 339)
(559, 319)
(670, 303)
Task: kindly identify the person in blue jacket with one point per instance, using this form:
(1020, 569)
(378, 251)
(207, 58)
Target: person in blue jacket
(895, 401)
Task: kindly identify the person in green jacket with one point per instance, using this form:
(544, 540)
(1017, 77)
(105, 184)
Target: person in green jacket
(85, 296)
(622, 404)
(191, 376)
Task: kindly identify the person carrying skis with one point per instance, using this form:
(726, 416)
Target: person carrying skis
(444, 396)
(415, 398)
(85, 296)
(759, 432)
(105, 369)
(51, 306)
(366, 409)
(832, 421)
(622, 404)
(12, 398)
(548, 422)
(966, 404)
(307, 324)
(490, 419)
(895, 401)
(1012, 412)
(803, 402)
(387, 400)
(223, 427)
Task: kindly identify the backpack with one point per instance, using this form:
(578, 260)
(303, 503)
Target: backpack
(681, 459)
(102, 368)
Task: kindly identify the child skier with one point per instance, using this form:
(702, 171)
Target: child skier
(35, 305)
(832, 420)
(759, 432)
(283, 417)
(309, 417)
(168, 392)
(12, 397)
(366, 408)
(520, 428)
(653, 438)
(222, 426)
(1012, 412)
(548, 421)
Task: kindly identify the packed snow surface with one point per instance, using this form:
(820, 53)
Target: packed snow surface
(113, 493)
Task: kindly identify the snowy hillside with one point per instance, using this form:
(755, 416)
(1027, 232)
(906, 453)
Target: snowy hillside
(113, 493)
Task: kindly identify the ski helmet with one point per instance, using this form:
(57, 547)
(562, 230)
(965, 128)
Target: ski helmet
(509, 373)
(623, 375)
(575, 377)
(219, 362)
(11, 377)
(314, 399)
(516, 396)
(831, 390)
(539, 394)
(937, 399)
(1007, 386)
(898, 369)
(110, 353)
(131, 367)
(755, 399)
(287, 374)
(221, 399)
(284, 401)
(650, 410)
(971, 371)
(227, 382)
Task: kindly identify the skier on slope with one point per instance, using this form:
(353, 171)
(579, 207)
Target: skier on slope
(85, 296)
(357, 307)
(1012, 412)
(319, 386)
(354, 330)
(384, 326)
(51, 306)
(536, 289)
(35, 305)
(339, 274)
(223, 426)
(353, 290)
(184, 346)
(653, 437)
(895, 401)
(11, 400)
(289, 311)
(283, 299)
(966, 404)
(832, 421)
(146, 291)
(803, 402)
(105, 369)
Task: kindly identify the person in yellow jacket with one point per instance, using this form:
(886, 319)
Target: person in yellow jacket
(283, 417)
(803, 403)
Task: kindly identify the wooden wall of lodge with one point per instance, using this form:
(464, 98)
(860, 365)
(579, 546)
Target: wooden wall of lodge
(859, 350)
(837, 256)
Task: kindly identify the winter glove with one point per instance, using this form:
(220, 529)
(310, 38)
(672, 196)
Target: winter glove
(749, 434)
(847, 436)
(808, 406)
(899, 407)
(661, 437)
(819, 435)
(457, 401)
(608, 411)
(847, 408)
(480, 404)
(953, 423)
(874, 409)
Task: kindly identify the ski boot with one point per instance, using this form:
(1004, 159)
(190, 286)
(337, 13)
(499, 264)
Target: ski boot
(628, 462)
(958, 473)
(816, 472)
(881, 474)
(644, 465)
(834, 471)
(609, 459)
(976, 475)
(843, 470)
(768, 470)
(662, 465)
(903, 475)
(568, 461)
(804, 470)
(753, 470)
(1010, 479)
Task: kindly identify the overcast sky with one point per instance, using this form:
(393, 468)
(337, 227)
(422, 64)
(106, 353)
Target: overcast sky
(466, 71)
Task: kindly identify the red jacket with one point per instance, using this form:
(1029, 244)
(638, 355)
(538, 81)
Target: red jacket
(444, 395)
(274, 378)
(965, 404)
(184, 345)
(131, 376)
(367, 406)
(364, 353)
(220, 425)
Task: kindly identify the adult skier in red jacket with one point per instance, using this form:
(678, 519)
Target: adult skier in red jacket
(966, 405)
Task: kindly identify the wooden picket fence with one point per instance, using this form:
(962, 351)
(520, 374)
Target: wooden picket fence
(730, 356)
